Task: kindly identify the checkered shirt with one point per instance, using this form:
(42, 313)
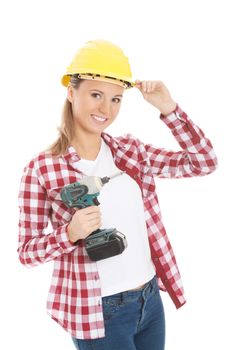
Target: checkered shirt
(74, 299)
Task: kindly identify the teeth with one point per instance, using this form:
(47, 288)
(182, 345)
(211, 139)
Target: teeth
(99, 118)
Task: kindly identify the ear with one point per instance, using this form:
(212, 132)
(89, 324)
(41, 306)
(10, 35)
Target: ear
(70, 93)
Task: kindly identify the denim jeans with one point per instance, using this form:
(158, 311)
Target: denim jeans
(134, 320)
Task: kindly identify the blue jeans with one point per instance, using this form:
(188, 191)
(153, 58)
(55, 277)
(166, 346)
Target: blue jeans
(134, 320)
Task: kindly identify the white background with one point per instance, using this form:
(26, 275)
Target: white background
(186, 44)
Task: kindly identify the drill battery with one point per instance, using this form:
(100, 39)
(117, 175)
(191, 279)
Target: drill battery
(105, 243)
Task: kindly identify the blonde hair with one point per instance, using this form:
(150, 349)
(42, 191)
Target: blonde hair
(66, 129)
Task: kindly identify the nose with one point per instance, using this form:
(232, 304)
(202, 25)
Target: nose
(105, 107)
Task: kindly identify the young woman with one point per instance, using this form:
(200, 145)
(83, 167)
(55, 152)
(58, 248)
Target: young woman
(112, 303)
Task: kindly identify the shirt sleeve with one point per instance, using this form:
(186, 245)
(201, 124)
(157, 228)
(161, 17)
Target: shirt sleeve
(34, 246)
(197, 157)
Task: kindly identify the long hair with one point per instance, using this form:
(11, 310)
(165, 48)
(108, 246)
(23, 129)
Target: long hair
(66, 129)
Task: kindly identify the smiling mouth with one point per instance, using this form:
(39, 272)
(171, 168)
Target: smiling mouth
(98, 118)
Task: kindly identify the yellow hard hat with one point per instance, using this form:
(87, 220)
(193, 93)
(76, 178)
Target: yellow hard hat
(100, 60)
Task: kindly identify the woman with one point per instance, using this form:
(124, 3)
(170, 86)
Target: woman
(112, 303)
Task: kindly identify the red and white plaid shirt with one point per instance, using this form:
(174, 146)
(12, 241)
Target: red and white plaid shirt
(74, 299)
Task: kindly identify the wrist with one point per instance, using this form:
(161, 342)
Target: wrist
(71, 236)
(169, 108)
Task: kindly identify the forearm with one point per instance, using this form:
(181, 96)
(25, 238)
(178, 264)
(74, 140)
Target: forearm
(188, 135)
(36, 248)
(197, 156)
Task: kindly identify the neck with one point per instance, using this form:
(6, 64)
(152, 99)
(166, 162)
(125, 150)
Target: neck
(87, 147)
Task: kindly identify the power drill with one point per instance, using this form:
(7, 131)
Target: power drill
(102, 243)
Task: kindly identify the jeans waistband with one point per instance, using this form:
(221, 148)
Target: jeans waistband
(149, 286)
(146, 289)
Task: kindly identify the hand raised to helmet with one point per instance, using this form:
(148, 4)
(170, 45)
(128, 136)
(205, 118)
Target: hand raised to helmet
(157, 94)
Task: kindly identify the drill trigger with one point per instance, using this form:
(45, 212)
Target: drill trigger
(95, 201)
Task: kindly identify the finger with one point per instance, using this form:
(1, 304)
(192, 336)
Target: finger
(149, 86)
(137, 81)
(94, 222)
(95, 226)
(144, 85)
(91, 209)
(155, 85)
(93, 218)
(158, 84)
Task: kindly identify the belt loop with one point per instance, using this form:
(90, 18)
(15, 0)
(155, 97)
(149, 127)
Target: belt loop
(122, 298)
(147, 288)
(152, 284)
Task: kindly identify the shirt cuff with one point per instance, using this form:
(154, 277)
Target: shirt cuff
(63, 239)
(179, 122)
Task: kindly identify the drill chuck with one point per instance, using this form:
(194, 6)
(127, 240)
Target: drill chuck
(106, 179)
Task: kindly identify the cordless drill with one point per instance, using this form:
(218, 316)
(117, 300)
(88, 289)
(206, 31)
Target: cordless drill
(102, 243)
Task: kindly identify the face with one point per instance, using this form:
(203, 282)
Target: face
(95, 105)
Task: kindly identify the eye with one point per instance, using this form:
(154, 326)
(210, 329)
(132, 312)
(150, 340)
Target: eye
(96, 95)
(116, 100)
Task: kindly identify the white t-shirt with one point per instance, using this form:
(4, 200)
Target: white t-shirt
(122, 208)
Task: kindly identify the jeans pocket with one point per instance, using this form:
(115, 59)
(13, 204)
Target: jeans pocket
(111, 306)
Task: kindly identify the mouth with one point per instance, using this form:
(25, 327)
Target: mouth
(99, 119)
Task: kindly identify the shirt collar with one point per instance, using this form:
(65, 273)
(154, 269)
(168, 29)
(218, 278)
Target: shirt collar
(112, 142)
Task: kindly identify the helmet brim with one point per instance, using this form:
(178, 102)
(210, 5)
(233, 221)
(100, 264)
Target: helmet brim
(125, 84)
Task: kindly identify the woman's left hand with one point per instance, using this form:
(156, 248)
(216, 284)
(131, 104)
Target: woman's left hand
(157, 94)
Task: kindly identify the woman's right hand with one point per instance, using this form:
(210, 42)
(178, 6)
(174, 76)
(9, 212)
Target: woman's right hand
(84, 222)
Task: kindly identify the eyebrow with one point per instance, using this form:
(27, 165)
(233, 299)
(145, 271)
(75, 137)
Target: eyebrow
(101, 92)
